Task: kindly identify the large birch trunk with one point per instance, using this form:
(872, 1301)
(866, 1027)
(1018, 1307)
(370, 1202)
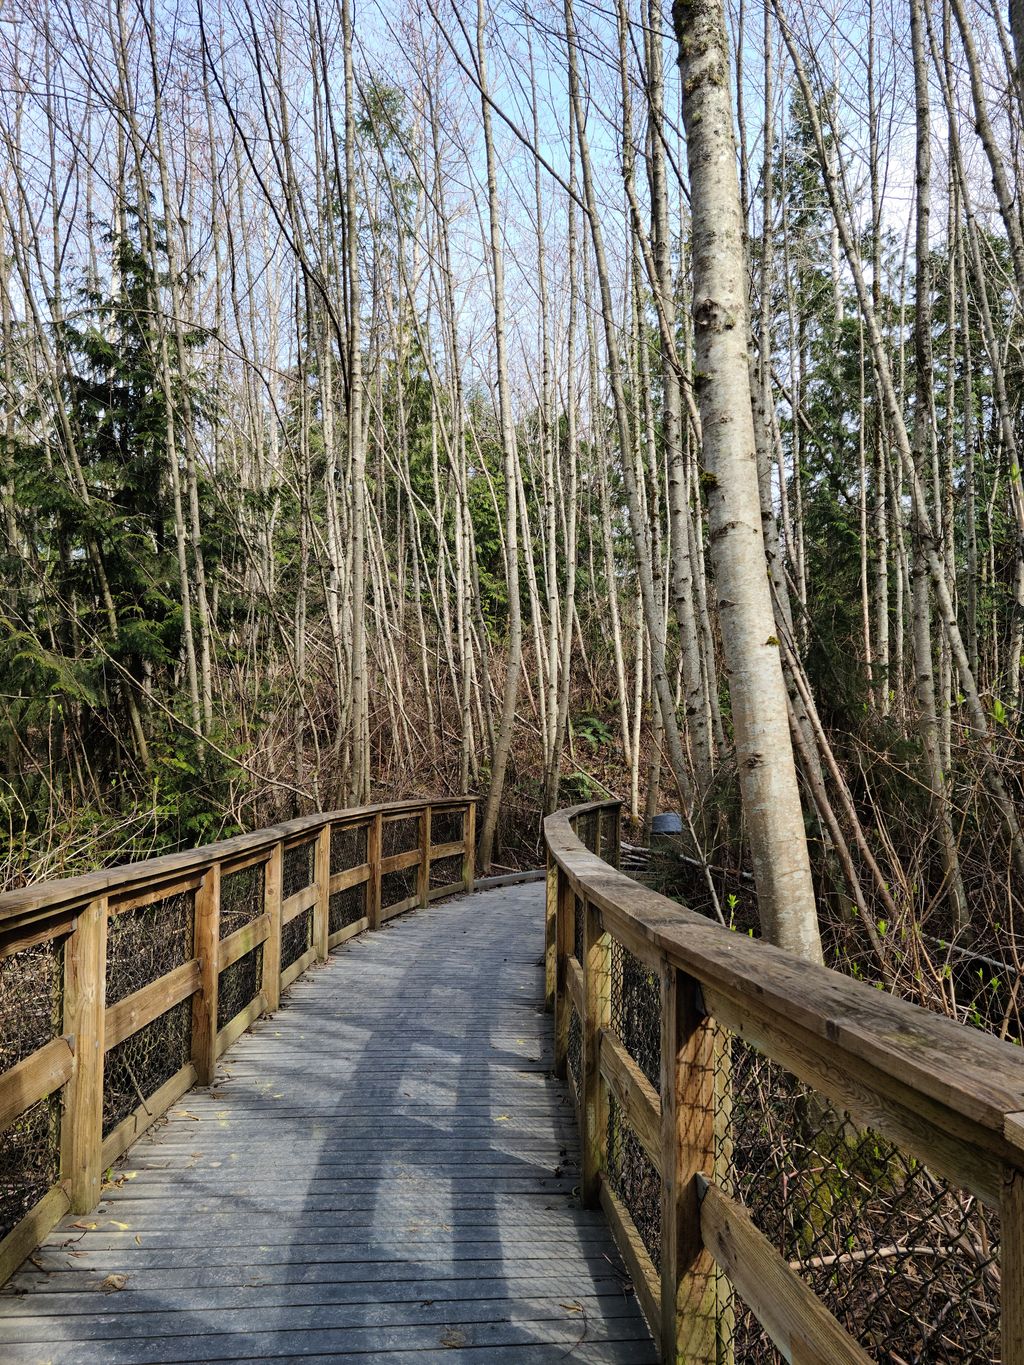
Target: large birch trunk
(771, 798)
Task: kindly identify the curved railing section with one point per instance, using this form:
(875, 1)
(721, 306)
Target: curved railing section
(788, 1157)
(119, 989)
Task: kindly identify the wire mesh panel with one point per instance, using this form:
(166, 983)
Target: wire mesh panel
(577, 929)
(296, 938)
(447, 826)
(907, 1262)
(31, 1000)
(29, 1160)
(575, 1049)
(397, 886)
(31, 1015)
(446, 871)
(636, 1010)
(348, 847)
(297, 871)
(241, 898)
(635, 1179)
(586, 828)
(346, 907)
(135, 1069)
(239, 985)
(147, 942)
(400, 836)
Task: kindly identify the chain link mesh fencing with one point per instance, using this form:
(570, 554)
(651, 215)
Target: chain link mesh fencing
(296, 938)
(348, 850)
(29, 1160)
(135, 1069)
(348, 847)
(905, 1261)
(346, 907)
(148, 941)
(447, 826)
(298, 868)
(636, 1010)
(297, 872)
(241, 901)
(241, 898)
(144, 943)
(574, 1051)
(400, 836)
(587, 827)
(633, 1176)
(31, 1015)
(31, 1000)
(396, 887)
(239, 985)
(446, 872)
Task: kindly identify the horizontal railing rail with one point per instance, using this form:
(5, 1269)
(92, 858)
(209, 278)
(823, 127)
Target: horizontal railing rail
(120, 988)
(790, 1159)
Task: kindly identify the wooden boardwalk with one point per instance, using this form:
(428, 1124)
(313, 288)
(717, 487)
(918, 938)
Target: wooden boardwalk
(383, 1170)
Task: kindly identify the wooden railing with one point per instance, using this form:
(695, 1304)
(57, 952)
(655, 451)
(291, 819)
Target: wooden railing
(920, 1120)
(119, 989)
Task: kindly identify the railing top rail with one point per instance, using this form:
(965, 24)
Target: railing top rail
(44, 897)
(956, 1080)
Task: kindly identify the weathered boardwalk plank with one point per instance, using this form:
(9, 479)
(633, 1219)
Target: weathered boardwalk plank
(381, 1171)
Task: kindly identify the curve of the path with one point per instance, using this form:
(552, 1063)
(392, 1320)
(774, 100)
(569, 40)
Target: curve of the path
(384, 1170)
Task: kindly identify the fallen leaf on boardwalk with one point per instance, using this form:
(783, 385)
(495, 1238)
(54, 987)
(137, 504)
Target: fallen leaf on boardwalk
(572, 1307)
(184, 1114)
(452, 1338)
(502, 1118)
(115, 1224)
(113, 1283)
(88, 1227)
(138, 1240)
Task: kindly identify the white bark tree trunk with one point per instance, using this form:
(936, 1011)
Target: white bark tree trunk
(768, 783)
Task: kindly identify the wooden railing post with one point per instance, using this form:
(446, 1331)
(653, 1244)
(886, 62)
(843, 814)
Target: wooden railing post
(689, 1307)
(322, 869)
(85, 989)
(374, 846)
(469, 857)
(273, 879)
(423, 870)
(204, 1002)
(597, 1016)
(1011, 1266)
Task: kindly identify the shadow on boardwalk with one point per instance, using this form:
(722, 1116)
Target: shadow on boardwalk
(383, 1170)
